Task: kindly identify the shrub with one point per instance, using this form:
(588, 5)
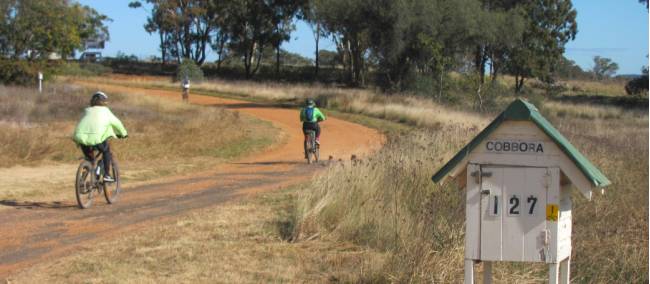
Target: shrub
(82, 69)
(19, 72)
(190, 70)
(637, 86)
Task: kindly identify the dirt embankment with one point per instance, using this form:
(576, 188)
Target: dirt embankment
(36, 232)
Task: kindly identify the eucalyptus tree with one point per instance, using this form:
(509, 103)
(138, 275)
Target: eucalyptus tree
(35, 29)
(184, 27)
(550, 24)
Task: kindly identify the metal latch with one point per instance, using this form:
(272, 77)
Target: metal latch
(476, 176)
(485, 192)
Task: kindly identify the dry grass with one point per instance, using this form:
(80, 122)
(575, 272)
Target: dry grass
(238, 242)
(399, 108)
(389, 204)
(165, 137)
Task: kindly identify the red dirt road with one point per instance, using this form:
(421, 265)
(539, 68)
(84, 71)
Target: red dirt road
(36, 232)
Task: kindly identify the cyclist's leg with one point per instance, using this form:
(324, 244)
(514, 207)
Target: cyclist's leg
(88, 152)
(106, 154)
(317, 126)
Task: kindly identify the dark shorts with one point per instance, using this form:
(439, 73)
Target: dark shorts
(311, 126)
(103, 147)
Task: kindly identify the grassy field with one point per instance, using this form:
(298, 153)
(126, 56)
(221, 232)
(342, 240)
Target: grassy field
(382, 219)
(165, 138)
(389, 204)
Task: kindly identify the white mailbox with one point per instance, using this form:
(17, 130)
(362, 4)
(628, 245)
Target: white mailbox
(518, 173)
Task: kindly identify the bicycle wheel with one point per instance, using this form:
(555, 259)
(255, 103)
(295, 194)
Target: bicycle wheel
(84, 185)
(112, 189)
(309, 146)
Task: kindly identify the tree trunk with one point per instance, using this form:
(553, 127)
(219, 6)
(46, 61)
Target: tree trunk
(259, 58)
(317, 37)
(277, 60)
(163, 46)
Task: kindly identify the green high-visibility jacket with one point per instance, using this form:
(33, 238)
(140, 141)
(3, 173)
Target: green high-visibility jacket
(316, 117)
(98, 124)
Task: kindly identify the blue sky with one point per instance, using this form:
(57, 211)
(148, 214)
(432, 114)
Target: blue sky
(616, 29)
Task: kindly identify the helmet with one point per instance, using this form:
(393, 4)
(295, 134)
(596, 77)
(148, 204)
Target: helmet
(97, 98)
(310, 102)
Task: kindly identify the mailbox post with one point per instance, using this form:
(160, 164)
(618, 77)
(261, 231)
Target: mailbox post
(40, 82)
(518, 174)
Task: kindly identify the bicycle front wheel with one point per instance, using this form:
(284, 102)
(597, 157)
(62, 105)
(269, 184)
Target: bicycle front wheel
(84, 185)
(112, 189)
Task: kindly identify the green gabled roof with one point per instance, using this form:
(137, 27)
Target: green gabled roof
(522, 110)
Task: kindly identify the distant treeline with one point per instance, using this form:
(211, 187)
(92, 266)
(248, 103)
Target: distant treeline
(396, 38)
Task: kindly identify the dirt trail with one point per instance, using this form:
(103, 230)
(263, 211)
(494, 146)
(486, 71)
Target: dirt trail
(37, 232)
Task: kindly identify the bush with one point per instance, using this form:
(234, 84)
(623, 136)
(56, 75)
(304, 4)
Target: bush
(637, 86)
(82, 69)
(19, 72)
(190, 70)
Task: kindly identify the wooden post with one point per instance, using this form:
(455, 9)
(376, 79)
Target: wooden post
(565, 271)
(487, 272)
(553, 273)
(469, 271)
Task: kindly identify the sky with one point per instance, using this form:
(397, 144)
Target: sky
(616, 29)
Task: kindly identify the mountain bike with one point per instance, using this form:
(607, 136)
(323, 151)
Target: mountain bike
(312, 149)
(90, 180)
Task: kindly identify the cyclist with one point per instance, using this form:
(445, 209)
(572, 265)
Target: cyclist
(186, 88)
(310, 116)
(97, 125)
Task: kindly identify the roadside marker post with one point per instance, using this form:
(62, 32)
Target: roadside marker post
(518, 174)
(40, 82)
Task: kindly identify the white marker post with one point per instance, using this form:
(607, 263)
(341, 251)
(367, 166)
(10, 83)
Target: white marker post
(40, 82)
(518, 174)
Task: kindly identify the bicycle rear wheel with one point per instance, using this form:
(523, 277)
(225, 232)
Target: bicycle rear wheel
(309, 146)
(84, 185)
(112, 189)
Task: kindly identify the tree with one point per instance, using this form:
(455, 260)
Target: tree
(250, 30)
(639, 85)
(35, 29)
(646, 2)
(550, 24)
(604, 67)
(309, 13)
(347, 22)
(184, 26)
(283, 13)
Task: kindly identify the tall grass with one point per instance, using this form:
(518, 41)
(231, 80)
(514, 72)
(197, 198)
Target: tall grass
(388, 203)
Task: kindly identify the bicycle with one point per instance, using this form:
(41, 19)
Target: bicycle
(312, 149)
(90, 179)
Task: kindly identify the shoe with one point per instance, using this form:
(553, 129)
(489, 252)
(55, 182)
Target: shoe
(108, 178)
(318, 142)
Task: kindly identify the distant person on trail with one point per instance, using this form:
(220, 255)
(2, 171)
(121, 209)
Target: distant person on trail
(97, 125)
(186, 88)
(310, 116)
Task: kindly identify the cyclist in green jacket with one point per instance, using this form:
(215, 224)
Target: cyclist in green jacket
(310, 116)
(97, 125)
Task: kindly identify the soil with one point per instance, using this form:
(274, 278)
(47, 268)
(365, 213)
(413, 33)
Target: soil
(35, 232)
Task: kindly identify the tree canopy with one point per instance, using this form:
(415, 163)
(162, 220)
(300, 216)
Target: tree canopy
(36, 29)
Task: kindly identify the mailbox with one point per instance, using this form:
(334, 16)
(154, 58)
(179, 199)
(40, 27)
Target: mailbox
(518, 174)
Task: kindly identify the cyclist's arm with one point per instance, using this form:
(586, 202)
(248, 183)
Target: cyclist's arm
(117, 125)
(319, 115)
